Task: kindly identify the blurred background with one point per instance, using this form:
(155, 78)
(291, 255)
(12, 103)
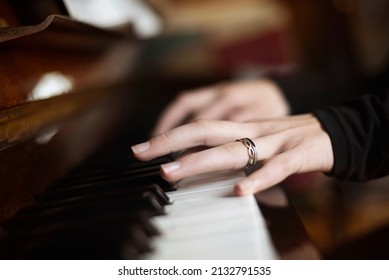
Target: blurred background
(346, 41)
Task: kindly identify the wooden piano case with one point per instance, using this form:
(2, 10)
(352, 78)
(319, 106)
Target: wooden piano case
(84, 76)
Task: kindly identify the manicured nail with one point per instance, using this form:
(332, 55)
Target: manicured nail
(140, 148)
(171, 166)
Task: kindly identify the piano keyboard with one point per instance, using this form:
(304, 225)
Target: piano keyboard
(113, 207)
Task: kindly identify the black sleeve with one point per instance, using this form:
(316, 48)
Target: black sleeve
(359, 132)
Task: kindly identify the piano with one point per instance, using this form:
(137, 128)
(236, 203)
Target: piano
(74, 98)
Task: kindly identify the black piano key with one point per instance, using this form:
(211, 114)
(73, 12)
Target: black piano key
(138, 171)
(101, 210)
(144, 179)
(125, 163)
(32, 230)
(111, 184)
(104, 175)
(98, 190)
(86, 211)
(104, 195)
(113, 241)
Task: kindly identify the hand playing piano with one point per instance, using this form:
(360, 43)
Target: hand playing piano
(286, 146)
(235, 101)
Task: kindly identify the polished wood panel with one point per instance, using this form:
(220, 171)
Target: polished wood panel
(41, 137)
(83, 54)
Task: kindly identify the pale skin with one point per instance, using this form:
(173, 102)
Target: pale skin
(234, 101)
(286, 144)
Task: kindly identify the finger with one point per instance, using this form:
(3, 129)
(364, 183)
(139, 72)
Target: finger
(244, 114)
(185, 105)
(229, 156)
(199, 133)
(210, 133)
(273, 172)
(218, 109)
(226, 157)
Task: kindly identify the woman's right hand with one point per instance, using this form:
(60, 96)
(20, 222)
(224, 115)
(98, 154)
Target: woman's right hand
(286, 146)
(235, 101)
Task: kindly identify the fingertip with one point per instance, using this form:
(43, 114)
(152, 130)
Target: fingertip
(244, 187)
(168, 170)
(140, 148)
(142, 151)
(170, 167)
(239, 191)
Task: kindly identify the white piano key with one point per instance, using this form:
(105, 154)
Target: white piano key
(206, 221)
(246, 243)
(207, 206)
(207, 182)
(174, 232)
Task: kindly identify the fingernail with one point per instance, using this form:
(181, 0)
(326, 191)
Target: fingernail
(140, 148)
(170, 167)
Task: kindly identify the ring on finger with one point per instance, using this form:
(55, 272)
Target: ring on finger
(251, 150)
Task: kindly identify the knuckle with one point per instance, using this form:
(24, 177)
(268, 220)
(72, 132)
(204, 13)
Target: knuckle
(202, 126)
(166, 139)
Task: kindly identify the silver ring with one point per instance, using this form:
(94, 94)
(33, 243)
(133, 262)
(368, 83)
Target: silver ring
(251, 150)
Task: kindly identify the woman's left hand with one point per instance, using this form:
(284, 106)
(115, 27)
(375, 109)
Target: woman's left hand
(286, 146)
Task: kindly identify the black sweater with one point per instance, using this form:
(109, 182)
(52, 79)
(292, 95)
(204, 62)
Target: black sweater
(359, 132)
(359, 128)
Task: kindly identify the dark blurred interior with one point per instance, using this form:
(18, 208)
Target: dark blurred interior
(205, 41)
